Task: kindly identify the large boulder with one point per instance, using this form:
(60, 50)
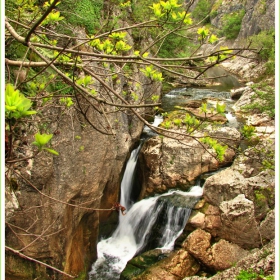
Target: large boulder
(260, 261)
(167, 163)
(218, 256)
(176, 266)
(238, 223)
(238, 206)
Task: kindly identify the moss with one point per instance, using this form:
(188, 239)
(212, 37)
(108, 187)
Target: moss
(260, 198)
(140, 263)
(130, 271)
(82, 276)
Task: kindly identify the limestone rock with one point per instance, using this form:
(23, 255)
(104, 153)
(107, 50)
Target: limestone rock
(267, 226)
(197, 220)
(223, 186)
(175, 266)
(198, 244)
(219, 256)
(259, 16)
(237, 93)
(167, 163)
(226, 254)
(238, 222)
(11, 204)
(261, 260)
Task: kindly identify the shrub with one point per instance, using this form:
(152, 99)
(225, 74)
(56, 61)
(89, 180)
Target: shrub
(265, 42)
(85, 13)
(232, 24)
(250, 275)
(263, 100)
(202, 9)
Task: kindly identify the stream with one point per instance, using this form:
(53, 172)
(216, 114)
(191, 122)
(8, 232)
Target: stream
(154, 222)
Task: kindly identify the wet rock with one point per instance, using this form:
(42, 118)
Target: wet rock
(235, 94)
(140, 263)
(176, 266)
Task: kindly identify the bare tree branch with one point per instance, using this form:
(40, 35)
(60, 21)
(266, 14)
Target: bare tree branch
(17, 252)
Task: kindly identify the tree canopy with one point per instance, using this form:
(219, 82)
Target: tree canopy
(52, 62)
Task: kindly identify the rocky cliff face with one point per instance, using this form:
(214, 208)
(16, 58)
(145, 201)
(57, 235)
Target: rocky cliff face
(167, 163)
(50, 214)
(259, 15)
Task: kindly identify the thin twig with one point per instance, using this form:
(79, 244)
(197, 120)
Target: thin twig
(40, 20)
(57, 200)
(17, 252)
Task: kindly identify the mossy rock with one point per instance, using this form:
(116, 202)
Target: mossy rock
(140, 263)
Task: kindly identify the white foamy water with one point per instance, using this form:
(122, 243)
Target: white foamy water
(137, 226)
(134, 230)
(157, 121)
(232, 121)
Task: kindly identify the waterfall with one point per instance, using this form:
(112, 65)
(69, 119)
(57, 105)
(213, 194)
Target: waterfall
(127, 181)
(157, 121)
(232, 121)
(140, 229)
(155, 222)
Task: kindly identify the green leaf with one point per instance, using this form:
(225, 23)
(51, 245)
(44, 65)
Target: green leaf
(52, 151)
(220, 108)
(43, 139)
(213, 38)
(17, 104)
(203, 108)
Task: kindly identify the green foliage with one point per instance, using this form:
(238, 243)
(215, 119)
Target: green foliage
(191, 122)
(201, 10)
(115, 44)
(53, 17)
(204, 35)
(221, 108)
(67, 101)
(263, 100)
(164, 8)
(177, 122)
(232, 24)
(214, 144)
(175, 46)
(84, 13)
(248, 131)
(16, 104)
(154, 75)
(155, 98)
(251, 275)
(84, 81)
(265, 43)
(41, 140)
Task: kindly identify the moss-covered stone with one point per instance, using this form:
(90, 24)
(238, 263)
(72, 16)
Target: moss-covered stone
(140, 263)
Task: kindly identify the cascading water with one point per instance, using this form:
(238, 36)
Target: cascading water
(127, 181)
(150, 223)
(138, 226)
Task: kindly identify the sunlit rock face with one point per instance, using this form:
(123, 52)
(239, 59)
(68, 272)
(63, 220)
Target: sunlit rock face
(87, 172)
(167, 163)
